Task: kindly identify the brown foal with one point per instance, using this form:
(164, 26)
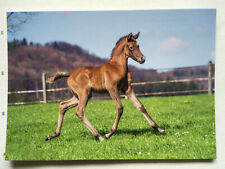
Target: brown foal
(110, 77)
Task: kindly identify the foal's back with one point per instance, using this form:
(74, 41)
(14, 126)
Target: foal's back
(97, 78)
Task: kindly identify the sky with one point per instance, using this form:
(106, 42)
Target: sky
(168, 38)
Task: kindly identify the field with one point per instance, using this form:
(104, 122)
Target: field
(188, 120)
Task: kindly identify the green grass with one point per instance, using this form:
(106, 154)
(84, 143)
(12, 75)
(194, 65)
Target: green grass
(188, 120)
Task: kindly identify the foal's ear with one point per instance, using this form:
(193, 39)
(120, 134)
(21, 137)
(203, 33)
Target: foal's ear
(129, 37)
(136, 36)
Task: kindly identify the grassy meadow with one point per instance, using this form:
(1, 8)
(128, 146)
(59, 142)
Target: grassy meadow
(188, 120)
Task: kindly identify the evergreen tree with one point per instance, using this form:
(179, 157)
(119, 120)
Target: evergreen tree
(24, 42)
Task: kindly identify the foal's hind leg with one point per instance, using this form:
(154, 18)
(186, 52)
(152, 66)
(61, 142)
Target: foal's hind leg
(80, 112)
(131, 95)
(64, 106)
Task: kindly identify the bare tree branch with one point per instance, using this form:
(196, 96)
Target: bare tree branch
(10, 26)
(16, 19)
(10, 14)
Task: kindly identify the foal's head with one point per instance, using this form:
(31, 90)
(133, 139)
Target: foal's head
(132, 48)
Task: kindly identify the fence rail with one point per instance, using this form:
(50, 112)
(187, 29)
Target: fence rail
(44, 90)
(132, 84)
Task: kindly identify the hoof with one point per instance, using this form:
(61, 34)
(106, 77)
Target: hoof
(161, 131)
(107, 136)
(46, 139)
(101, 139)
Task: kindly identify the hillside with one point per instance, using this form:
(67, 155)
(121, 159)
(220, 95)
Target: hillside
(29, 61)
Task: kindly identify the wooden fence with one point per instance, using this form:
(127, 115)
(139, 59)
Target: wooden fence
(44, 90)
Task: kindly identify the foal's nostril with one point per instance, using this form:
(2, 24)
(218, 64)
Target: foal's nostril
(142, 58)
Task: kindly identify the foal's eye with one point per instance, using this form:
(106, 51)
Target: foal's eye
(131, 48)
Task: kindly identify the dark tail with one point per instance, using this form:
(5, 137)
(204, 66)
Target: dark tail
(58, 75)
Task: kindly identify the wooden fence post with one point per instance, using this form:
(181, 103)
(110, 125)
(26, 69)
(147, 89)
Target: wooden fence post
(54, 93)
(44, 88)
(36, 88)
(210, 77)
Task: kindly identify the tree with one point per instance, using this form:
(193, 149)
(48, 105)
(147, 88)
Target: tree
(16, 19)
(24, 42)
(55, 45)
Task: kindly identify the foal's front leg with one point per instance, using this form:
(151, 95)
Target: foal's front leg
(132, 96)
(115, 96)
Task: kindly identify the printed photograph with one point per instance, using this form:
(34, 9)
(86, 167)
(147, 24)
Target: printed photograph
(103, 85)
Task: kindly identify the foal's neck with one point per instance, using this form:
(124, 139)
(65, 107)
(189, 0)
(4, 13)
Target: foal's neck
(119, 58)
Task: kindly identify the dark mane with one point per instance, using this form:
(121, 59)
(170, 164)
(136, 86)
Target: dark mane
(116, 45)
(120, 39)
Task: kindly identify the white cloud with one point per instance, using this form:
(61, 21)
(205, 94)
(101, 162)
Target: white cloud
(171, 45)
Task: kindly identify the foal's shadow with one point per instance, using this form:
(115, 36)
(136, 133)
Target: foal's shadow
(135, 132)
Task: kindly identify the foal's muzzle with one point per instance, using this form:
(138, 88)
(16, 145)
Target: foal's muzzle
(142, 60)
